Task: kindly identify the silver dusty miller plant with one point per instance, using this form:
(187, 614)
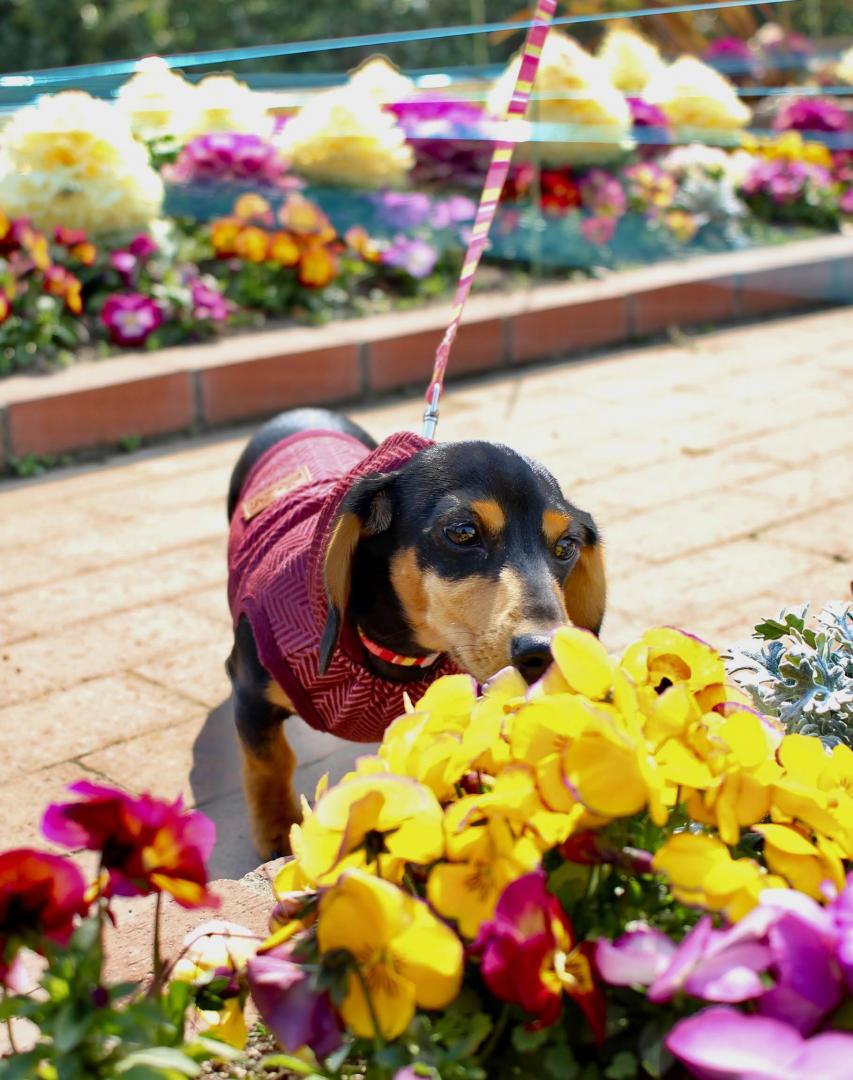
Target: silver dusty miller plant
(802, 674)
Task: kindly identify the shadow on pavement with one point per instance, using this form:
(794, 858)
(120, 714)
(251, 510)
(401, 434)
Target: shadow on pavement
(217, 788)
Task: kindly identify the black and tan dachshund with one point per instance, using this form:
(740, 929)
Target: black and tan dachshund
(465, 557)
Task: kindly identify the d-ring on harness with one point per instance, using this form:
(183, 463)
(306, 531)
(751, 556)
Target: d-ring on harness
(492, 188)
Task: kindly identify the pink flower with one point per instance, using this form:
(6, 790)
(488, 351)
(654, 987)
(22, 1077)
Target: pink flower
(722, 1043)
(293, 1011)
(636, 958)
(131, 317)
(602, 194)
(530, 956)
(142, 246)
(146, 844)
(209, 305)
(40, 895)
(598, 230)
(124, 262)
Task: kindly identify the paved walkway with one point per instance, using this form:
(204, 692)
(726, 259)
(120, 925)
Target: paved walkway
(719, 469)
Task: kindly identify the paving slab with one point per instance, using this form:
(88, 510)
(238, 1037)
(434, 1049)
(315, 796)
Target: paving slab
(718, 466)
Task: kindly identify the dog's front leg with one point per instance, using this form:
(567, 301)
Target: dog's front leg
(268, 761)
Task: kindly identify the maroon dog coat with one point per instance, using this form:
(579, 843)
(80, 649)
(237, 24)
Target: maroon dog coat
(276, 550)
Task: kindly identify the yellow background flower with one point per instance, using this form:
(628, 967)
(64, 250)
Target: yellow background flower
(698, 100)
(631, 59)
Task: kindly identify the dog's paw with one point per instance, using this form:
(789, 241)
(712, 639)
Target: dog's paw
(271, 826)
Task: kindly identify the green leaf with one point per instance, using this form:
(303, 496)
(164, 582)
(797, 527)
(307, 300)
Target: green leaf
(71, 1026)
(527, 1041)
(287, 1061)
(203, 1047)
(655, 1057)
(771, 630)
(622, 1067)
(559, 1063)
(165, 1058)
(21, 1066)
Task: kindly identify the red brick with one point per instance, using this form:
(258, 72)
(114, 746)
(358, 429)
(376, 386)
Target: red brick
(555, 331)
(787, 288)
(101, 415)
(407, 360)
(262, 386)
(683, 305)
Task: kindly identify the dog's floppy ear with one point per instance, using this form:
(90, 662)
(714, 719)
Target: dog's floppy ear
(585, 589)
(365, 511)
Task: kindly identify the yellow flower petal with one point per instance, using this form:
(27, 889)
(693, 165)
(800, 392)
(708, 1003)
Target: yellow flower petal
(583, 662)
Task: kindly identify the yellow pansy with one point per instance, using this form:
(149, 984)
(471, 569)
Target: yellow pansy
(374, 819)
(406, 957)
(814, 789)
(807, 866)
(702, 873)
(487, 857)
(438, 742)
(583, 662)
(666, 657)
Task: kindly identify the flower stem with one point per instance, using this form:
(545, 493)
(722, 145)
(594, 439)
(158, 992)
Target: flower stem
(495, 1037)
(9, 1029)
(365, 989)
(158, 959)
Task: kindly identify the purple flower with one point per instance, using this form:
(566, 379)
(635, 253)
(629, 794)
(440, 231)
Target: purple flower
(846, 201)
(404, 209)
(130, 318)
(730, 55)
(295, 1013)
(451, 139)
(414, 257)
(602, 194)
(209, 305)
(811, 114)
(456, 210)
(788, 938)
(719, 1043)
(784, 181)
(230, 157)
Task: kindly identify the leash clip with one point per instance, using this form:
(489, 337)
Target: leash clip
(431, 413)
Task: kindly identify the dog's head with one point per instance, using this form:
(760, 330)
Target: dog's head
(470, 550)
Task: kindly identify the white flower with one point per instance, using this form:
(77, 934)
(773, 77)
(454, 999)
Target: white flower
(630, 59)
(573, 90)
(381, 80)
(156, 100)
(72, 160)
(222, 103)
(343, 136)
(698, 99)
(696, 157)
(844, 67)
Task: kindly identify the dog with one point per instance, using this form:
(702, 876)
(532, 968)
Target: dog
(359, 572)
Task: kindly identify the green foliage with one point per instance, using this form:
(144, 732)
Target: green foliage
(802, 674)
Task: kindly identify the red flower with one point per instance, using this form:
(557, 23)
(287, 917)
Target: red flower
(530, 956)
(147, 845)
(560, 193)
(40, 895)
(68, 237)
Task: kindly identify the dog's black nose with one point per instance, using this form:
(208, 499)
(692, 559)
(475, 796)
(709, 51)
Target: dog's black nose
(531, 655)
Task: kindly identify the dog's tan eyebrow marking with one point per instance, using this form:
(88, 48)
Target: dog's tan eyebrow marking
(554, 524)
(490, 514)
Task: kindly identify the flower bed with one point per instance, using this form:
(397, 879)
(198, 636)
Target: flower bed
(361, 201)
(622, 871)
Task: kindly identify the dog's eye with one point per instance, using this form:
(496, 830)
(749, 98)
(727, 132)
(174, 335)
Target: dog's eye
(462, 534)
(565, 548)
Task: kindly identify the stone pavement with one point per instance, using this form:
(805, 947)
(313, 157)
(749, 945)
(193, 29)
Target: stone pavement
(719, 468)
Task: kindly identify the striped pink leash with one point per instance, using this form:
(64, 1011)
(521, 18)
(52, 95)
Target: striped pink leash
(492, 188)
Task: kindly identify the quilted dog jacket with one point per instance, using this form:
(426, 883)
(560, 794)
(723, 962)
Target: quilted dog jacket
(276, 549)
